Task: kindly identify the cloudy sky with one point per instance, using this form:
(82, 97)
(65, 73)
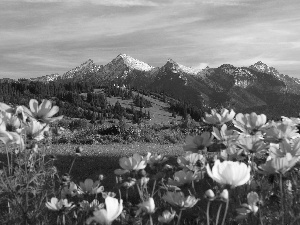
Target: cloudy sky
(39, 37)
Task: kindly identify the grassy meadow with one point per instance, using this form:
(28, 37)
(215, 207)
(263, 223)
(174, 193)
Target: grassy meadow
(103, 159)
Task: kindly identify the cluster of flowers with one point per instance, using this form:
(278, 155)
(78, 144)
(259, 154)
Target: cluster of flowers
(252, 137)
(19, 123)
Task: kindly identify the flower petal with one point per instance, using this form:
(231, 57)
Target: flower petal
(34, 106)
(52, 112)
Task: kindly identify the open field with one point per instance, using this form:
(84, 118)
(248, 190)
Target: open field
(99, 159)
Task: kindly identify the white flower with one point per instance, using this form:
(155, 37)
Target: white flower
(136, 162)
(56, 205)
(8, 137)
(91, 187)
(279, 165)
(147, 207)
(156, 159)
(249, 123)
(36, 130)
(181, 178)
(192, 161)
(166, 216)
(42, 112)
(228, 172)
(277, 131)
(108, 215)
(94, 205)
(219, 119)
(70, 190)
(251, 207)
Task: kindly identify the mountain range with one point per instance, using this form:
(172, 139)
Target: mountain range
(257, 87)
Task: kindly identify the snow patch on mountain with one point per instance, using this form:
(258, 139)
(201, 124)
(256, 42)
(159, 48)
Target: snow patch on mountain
(188, 70)
(47, 78)
(85, 68)
(133, 63)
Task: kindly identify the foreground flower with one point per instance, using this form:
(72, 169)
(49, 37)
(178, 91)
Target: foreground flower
(43, 112)
(11, 122)
(108, 215)
(56, 205)
(251, 207)
(225, 136)
(156, 159)
(284, 147)
(249, 123)
(192, 161)
(136, 162)
(166, 216)
(94, 205)
(178, 199)
(199, 142)
(8, 137)
(181, 178)
(36, 130)
(293, 121)
(70, 190)
(278, 131)
(219, 119)
(147, 207)
(279, 165)
(6, 108)
(228, 172)
(130, 182)
(251, 143)
(91, 187)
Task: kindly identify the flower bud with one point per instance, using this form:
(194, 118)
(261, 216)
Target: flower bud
(101, 177)
(210, 195)
(168, 167)
(224, 195)
(78, 150)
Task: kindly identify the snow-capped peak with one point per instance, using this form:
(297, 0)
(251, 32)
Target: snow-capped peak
(264, 68)
(178, 67)
(134, 63)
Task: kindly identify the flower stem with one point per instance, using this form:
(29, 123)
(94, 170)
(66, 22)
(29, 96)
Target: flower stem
(282, 199)
(72, 165)
(179, 217)
(218, 214)
(8, 163)
(150, 219)
(153, 188)
(226, 210)
(207, 213)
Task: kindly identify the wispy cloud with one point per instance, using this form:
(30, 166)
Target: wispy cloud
(119, 3)
(41, 37)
